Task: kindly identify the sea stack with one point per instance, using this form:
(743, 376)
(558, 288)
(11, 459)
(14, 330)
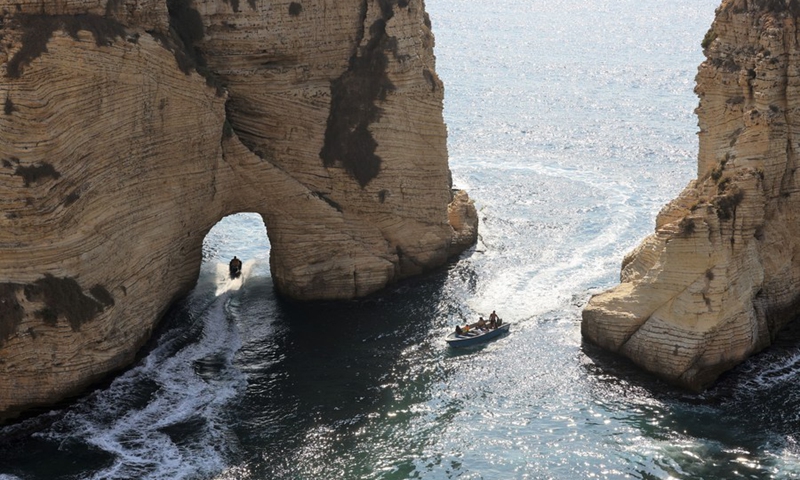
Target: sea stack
(130, 127)
(720, 277)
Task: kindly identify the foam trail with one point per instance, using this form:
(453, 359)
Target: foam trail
(166, 417)
(223, 278)
(551, 284)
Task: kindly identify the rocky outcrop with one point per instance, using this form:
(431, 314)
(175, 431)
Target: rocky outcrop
(464, 219)
(130, 127)
(720, 277)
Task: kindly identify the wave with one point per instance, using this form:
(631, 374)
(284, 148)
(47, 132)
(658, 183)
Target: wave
(167, 417)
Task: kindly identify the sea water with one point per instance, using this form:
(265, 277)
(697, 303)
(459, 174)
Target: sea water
(570, 124)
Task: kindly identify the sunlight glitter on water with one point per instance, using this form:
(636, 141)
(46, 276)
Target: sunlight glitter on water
(570, 125)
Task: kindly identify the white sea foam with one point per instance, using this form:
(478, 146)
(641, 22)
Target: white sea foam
(772, 370)
(180, 429)
(223, 278)
(551, 281)
(570, 124)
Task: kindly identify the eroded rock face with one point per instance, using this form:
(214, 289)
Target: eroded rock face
(130, 127)
(720, 277)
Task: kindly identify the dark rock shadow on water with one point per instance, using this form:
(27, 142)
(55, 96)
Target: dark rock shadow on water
(325, 370)
(211, 367)
(740, 424)
(36, 461)
(25, 454)
(185, 432)
(170, 320)
(617, 376)
(766, 385)
(41, 445)
(29, 455)
(316, 375)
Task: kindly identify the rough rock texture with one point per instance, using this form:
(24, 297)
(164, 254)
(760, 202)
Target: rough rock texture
(464, 220)
(720, 276)
(130, 127)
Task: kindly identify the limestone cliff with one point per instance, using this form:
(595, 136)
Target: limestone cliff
(720, 277)
(130, 127)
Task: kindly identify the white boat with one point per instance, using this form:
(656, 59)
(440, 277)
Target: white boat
(476, 336)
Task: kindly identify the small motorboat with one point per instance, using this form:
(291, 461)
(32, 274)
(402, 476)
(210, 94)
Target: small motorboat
(476, 336)
(235, 272)
(235, 268)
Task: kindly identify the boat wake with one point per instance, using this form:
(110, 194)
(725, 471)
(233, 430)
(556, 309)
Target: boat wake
(223, 280)
(167, 417)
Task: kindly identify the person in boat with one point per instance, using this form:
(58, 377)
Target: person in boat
(235, 267)
(494, 320)
(481, 323)
(458, 330)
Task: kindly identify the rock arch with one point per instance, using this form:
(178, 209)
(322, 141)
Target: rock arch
(123, 146)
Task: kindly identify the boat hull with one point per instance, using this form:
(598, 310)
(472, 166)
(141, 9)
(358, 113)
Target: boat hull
(468, 340)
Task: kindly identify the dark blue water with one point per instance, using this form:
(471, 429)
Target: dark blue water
(570, 124)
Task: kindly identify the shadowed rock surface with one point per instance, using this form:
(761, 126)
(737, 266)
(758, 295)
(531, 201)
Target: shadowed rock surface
(720, 277)
(130, 127)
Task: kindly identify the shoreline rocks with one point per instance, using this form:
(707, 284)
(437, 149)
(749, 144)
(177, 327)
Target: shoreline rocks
(720, 276)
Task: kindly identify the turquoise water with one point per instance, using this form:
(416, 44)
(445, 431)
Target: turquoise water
(570, 124)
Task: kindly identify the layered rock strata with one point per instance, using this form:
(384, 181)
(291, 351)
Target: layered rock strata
(720, 277)
(130, 127)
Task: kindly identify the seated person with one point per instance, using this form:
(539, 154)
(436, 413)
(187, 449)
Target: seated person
(481, 323)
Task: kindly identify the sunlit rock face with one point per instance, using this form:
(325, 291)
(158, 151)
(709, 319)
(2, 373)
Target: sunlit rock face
(130, 127)
(720, 277)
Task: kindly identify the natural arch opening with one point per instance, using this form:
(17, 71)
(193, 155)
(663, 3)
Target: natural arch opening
(243, 235)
